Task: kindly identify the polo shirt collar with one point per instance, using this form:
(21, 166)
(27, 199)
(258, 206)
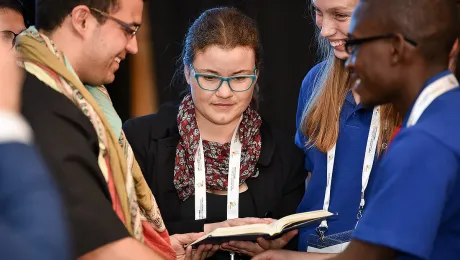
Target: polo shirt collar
(427, 83)
(349, 98)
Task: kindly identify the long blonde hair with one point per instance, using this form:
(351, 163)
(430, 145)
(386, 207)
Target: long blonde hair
(320, 119)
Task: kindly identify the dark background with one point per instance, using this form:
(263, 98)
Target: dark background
(287, 37)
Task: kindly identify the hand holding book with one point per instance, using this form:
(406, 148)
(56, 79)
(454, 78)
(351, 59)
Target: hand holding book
(270, 231)
(178, 242)
(261, 245)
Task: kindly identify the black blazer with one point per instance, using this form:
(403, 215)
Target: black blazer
(277, 191)
(69, 145)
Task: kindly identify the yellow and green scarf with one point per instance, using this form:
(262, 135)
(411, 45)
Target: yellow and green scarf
(132, 199)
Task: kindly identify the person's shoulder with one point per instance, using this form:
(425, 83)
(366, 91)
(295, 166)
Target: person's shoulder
(315, 70)
(35, 91)
(8, 148)
(38, 97)
(41, 103)
(419, 144)
(157, 125)
(310, 81)
(34, 88)
(13, 154)
(440, 121)
(447, 101)
(313, 75)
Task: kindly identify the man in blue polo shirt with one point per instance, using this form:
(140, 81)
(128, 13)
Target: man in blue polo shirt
(414, 210)
(399, 53)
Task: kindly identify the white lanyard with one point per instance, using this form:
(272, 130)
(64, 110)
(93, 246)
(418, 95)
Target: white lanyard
(430, 93)
(371, 147)
(233, 189)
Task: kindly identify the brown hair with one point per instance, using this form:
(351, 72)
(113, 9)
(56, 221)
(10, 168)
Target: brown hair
(227, 28)
(320, 119)
(50, 20)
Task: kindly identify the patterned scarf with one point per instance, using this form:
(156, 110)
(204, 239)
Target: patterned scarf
(216, 155)
(132, 200)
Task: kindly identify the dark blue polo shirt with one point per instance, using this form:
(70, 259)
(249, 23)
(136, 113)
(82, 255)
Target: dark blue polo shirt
(346, 180)
(414, 197)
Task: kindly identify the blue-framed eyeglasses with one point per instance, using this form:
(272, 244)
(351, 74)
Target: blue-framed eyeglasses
(212, 82)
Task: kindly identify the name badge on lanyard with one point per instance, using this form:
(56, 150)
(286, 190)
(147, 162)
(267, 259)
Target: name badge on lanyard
(336, 243)
(429, 94)
(233, 189)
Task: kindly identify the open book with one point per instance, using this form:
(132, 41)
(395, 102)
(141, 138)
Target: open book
(267, 231)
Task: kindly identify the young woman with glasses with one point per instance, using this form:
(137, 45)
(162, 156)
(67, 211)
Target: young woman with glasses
(190, 152)
(341, 138)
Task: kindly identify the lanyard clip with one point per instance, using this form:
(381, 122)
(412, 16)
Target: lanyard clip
(360, 213)
(321, 231)
(384, 147)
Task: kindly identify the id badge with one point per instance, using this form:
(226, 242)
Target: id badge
(332, 244)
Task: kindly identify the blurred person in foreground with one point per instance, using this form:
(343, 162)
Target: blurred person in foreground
(32, 223)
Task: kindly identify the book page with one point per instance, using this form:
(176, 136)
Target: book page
(246, 229)
(299, 217)
(267, 229)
